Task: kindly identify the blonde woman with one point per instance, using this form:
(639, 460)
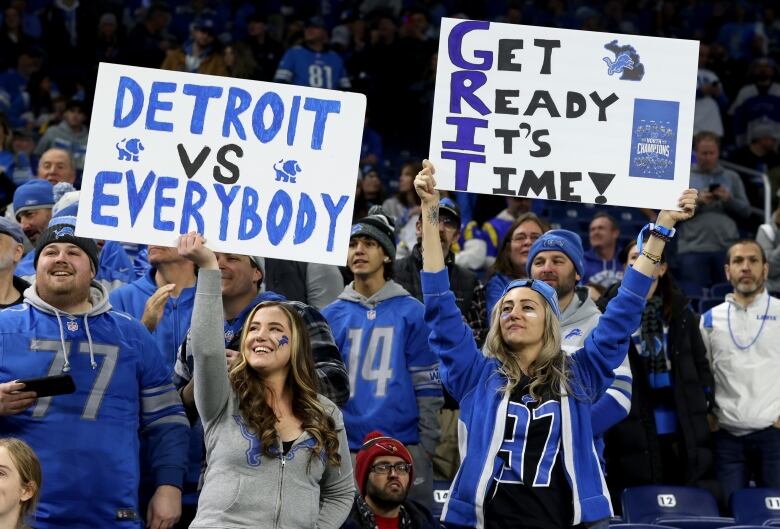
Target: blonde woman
(529, 459)
(277, 451)
(20, 483)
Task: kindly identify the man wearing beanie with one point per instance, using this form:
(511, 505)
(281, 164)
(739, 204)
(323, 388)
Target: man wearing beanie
(383, 339)
(557, 259)
(384, 471)
(33, 203)
(11, 249)
(122, 390)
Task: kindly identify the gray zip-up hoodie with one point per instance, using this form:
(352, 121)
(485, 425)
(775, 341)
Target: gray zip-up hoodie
(242, 487)
(577, 321)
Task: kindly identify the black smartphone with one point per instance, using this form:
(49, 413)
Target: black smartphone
(49, 386)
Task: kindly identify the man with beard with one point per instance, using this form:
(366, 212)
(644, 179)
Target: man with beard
(88, 440)
(741, 336)
(557, 259)
(384, 473)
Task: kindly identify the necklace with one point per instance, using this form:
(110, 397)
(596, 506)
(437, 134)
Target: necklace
(761, 328)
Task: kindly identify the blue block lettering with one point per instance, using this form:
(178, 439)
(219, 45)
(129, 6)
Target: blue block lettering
(321, 109)
(238, 101)
(137, 198)
(272, 100)
(226, 199)
(250, 224)
(333, 212)
(306, 219)
(202, 95)
(190, 209)
(161, 201)
(293, 123)
(128, 86)
(277, 228)
(159, 87)
(100, 198)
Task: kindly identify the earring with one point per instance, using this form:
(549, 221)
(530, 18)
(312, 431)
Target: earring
(387, 259)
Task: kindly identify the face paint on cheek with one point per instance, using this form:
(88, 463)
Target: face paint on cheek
(505, 315)
(283, 341)
(531, 314)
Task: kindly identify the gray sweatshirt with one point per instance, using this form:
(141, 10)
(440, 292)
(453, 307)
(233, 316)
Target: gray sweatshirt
(243, 488)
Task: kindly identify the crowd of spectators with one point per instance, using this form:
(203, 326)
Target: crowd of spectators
(661, 419)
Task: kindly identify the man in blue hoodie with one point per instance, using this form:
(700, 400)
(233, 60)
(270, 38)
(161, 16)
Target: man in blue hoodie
(381, 333)
(161, 299)
(88, 440)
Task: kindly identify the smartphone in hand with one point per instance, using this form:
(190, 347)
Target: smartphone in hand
(49, 386)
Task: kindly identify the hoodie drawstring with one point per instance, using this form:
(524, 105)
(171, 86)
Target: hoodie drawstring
(89, 341)
(66, 365)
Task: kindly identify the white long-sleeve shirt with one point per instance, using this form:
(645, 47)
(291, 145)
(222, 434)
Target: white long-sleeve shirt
(743, 347)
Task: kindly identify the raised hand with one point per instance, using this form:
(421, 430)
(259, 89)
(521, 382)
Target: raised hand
(425, 185)
(687, 201)
(192, 246)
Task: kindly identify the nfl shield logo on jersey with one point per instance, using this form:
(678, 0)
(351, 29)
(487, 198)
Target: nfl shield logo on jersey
(73, 326)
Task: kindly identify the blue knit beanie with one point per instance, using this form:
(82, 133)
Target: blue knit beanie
(33, 194)
(564, 241)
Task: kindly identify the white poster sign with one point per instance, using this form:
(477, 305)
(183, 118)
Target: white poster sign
(561, 114)
(258, 168)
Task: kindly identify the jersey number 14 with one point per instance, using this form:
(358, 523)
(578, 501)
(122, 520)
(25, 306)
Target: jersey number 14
(375, 364)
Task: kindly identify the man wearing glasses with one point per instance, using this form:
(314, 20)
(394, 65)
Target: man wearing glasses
(384, 472)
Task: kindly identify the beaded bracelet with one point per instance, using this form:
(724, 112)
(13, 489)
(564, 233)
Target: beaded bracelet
(654, 258)
(656, 230)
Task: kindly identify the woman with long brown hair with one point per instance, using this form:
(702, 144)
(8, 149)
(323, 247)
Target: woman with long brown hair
(277, 451)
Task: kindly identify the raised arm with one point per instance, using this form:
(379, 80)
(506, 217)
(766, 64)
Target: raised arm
(607, 346)
(211, 385)
(450, 338)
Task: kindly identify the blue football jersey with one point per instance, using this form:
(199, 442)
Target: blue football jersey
(305, 67)
(88, 441)
(386, 351)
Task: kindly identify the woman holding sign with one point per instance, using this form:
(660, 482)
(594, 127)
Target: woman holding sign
(277, 451)
(526, 405)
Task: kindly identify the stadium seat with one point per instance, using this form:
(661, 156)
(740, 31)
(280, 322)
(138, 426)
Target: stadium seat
(638, 526)
(756, 506)
(441, 490)
(681, 507)
(719, 290)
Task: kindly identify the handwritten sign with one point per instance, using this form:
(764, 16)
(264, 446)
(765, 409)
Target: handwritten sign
(565, 115)
(258, 168)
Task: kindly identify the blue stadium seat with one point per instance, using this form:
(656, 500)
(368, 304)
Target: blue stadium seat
(719, 290)
(681, 507)
(441, 491)
(638, 526)
(756, 506)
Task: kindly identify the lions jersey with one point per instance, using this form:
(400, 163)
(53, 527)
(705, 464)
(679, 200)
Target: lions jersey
(305, 67)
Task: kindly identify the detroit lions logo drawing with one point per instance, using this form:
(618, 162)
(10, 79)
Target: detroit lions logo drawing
(572, 333)
(287, 170)
(129, 149)
(622, 62)
(626, 62)
(254, 454)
